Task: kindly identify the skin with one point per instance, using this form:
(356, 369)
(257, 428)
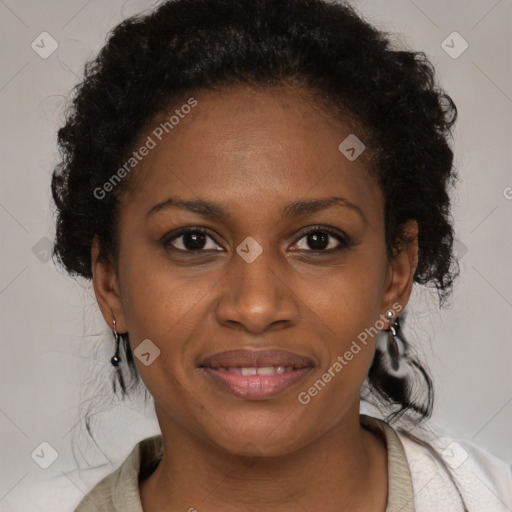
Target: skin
(255, 151)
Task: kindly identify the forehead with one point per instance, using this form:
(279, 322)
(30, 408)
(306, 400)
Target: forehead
(246, 146)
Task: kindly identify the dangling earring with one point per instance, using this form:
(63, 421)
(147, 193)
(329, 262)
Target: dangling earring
(392, 341)
(115, 358)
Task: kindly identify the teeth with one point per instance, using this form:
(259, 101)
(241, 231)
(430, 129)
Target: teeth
(261, 370)
(268, 370)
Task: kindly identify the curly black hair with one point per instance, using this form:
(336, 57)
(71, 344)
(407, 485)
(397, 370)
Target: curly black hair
(154, 60)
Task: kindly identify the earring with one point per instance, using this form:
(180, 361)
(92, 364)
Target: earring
(392, 343)
(115, 358)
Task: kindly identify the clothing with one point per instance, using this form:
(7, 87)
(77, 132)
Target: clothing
(119, 490)
(417, 482)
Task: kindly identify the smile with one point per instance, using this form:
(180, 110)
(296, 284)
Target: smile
(256, 375)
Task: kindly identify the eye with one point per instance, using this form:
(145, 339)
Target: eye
(191, 240)
(320, 239)
(323, 239)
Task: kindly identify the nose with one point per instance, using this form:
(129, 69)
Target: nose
(256, 297)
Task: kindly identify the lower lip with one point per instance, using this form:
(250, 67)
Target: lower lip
(256, 387)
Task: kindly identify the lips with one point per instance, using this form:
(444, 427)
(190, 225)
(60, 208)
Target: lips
(256, 374)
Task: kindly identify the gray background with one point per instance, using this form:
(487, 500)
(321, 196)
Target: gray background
(56, 347)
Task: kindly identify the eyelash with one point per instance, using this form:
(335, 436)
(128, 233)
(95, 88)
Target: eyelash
(345, 241)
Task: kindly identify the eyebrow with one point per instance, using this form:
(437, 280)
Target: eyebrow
(295, 209)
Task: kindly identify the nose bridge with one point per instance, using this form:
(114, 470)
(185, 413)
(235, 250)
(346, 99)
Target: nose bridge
(258, 275)
(255, 270)
(255, 294)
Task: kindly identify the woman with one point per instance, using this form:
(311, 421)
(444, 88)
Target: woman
(253, 187)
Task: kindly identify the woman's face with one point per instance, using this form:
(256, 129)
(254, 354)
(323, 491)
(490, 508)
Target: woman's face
(259, 170)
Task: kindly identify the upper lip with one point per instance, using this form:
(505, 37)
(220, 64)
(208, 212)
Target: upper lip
(241, 358)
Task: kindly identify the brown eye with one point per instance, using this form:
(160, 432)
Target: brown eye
(191, 239)
(322, 239)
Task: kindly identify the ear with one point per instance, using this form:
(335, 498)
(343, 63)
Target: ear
(401, 271)
(106, 289)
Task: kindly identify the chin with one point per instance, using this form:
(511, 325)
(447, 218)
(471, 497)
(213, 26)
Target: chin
(258, 436)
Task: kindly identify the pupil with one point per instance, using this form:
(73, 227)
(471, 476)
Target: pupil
(196, 241)
(318, 240)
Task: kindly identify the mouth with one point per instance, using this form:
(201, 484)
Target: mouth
(256, 374)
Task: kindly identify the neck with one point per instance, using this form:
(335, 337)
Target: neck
(335, 470)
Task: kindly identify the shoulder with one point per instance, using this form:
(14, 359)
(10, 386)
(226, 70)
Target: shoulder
(119, 491)
(483, 480)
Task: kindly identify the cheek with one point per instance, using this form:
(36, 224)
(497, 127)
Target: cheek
(351, 330)
(351, 324)
(156, 296)
(163, 306)
(347, 309)
(350, 299)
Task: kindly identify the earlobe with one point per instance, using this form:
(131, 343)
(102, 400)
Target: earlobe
(106, 289)
(403, 267)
